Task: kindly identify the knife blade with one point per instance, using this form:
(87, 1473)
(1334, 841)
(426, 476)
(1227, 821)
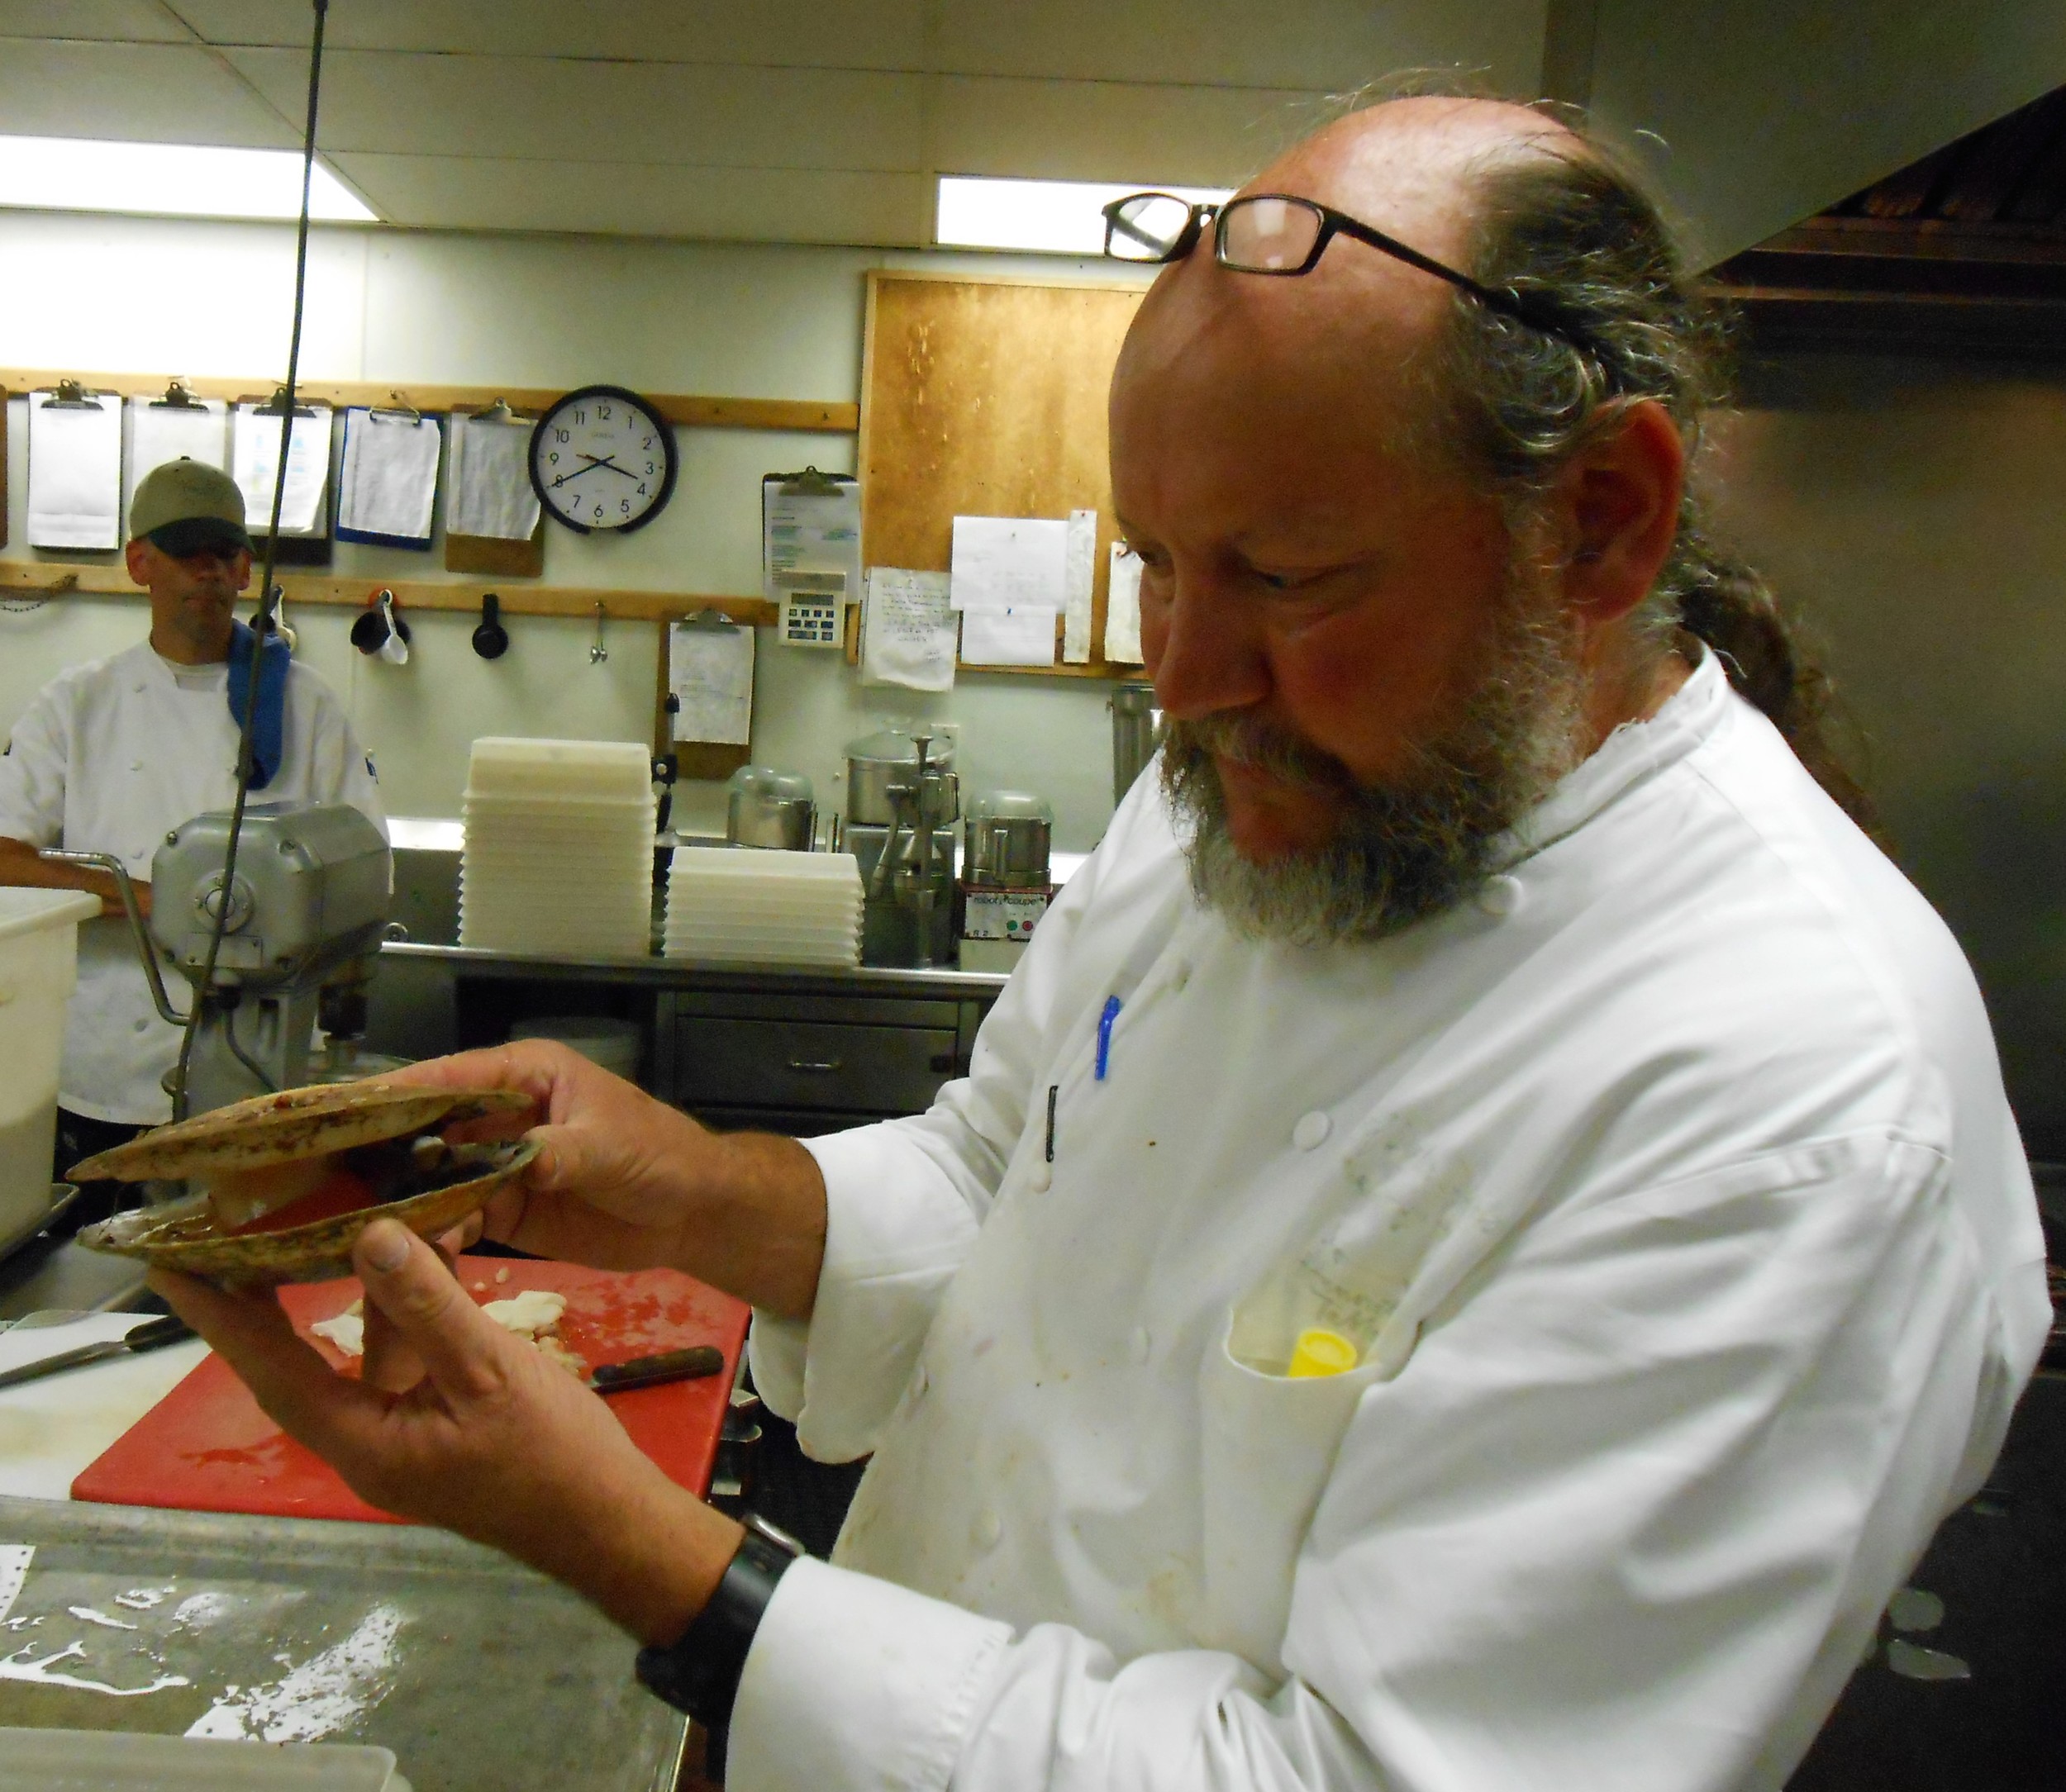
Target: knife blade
(152, 1336)
(689, 1365)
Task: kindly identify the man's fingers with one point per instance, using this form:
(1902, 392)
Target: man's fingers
(462, 1349)
(294, 1385)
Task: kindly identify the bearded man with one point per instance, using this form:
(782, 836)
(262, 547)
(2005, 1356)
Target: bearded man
(1485, 1232)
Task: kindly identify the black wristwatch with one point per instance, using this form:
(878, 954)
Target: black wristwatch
(699, 1672)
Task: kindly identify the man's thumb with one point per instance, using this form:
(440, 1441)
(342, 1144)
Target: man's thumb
(460, 1347)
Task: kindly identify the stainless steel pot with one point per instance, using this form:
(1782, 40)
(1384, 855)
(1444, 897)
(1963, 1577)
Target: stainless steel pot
(1005, 841)
(770, 808)
(878, 761)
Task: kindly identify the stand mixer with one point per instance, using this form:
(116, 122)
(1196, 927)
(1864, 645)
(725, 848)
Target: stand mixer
(902, 800)
(306, 912)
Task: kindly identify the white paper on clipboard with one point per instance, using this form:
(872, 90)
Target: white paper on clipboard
(159, 432)
(75, 471)
(255, 460)
(811, 536)
(710, 671)
(908, 630)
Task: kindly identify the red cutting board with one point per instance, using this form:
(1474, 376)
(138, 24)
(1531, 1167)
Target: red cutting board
(206, 1447)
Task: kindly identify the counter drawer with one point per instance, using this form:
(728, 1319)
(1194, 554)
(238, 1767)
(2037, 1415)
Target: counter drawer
(721, 1062)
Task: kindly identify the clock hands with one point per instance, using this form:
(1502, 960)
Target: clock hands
(594, 462)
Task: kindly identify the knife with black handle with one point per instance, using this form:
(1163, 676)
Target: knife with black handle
(689, 1365)
(152, 1336)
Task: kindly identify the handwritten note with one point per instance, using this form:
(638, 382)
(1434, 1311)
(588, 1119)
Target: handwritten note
(1122, 607)
(1010, 562)
(710, 671)
(908, 630)
(1080, 569)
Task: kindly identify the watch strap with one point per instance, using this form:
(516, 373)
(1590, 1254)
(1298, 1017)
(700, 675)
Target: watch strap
(699, 1672)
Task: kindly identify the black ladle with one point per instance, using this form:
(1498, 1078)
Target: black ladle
(491, 640)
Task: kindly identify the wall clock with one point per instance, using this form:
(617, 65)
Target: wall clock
(602, 458)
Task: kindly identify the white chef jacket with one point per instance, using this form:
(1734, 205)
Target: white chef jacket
(109, 758)
(1670, 1187)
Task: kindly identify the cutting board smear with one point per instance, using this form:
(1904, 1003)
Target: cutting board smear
(206, 1447)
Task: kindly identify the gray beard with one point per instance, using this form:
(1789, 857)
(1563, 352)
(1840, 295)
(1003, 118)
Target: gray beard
(1403, 852)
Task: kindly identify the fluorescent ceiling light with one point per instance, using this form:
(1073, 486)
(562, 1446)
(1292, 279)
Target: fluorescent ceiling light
(174, 179)
(1057, 217)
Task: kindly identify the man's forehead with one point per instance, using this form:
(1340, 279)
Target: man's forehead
(1337, 343)
(1408, 166)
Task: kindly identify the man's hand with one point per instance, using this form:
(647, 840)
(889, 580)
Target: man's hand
(24, 867)
(456, 1423)
(623, 1181)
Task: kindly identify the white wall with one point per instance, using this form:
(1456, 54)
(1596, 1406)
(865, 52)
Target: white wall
(98, 294)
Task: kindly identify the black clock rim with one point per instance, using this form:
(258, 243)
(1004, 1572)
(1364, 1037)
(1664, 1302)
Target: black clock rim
(670, 456)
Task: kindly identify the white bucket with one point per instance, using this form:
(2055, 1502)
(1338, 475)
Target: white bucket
(39, 961)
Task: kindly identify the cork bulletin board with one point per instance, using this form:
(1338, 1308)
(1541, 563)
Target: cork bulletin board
(986, 397)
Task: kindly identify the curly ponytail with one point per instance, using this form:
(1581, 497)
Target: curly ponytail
(1570, 223)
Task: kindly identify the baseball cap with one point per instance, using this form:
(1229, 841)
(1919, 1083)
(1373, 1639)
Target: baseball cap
(186, 505)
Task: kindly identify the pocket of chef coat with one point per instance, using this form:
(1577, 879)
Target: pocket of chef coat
(1268, 1445)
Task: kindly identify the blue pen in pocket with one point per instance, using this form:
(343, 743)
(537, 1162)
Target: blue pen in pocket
(1104, 1036)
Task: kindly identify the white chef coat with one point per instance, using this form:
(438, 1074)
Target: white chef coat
(109, 758)
(1669, 1184)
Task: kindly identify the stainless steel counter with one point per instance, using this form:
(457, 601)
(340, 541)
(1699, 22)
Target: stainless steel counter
(655, 971)
(777, 1048)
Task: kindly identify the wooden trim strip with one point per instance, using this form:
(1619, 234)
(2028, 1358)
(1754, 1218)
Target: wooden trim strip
(684, 411)
(61, 579)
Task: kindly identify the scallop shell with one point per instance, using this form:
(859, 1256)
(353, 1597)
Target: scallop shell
(296, 1123)
(182, 1235)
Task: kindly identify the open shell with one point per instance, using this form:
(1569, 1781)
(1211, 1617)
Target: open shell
(297, 1123)
(182, 1235)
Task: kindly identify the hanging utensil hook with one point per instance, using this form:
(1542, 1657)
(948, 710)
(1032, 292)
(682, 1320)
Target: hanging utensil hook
(598, 653)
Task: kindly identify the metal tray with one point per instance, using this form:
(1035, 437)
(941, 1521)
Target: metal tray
(476, 1672)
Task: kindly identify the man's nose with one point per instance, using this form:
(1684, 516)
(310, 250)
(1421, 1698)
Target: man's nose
(1202, 650)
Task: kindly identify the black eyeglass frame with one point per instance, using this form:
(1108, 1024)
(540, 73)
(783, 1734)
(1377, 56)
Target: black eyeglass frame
(1507, 303)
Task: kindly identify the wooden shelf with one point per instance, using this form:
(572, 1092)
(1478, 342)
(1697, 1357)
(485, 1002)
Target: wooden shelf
(684, 410)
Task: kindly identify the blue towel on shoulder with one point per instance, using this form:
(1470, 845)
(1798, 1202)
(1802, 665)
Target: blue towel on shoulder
(269, 731)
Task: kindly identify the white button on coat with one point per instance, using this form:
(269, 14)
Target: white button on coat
(1501, 896)
(1312, 1131)
(986, 1530)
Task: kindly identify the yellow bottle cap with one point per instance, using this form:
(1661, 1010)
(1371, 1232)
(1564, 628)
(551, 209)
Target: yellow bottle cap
(1320, 1352)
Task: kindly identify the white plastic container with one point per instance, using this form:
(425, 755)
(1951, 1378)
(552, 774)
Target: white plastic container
(38, 962)
(115, 1760)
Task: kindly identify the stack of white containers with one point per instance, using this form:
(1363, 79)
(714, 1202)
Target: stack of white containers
(735, 905)
(559, 852)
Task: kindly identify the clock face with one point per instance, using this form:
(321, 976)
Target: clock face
(602, 458)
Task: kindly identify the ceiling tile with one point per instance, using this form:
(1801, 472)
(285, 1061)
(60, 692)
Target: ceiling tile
(644, 199)
(850, 34)
(1330, 46)
(137, 22)
(589, 112)
(131, 93)
(1105, 131)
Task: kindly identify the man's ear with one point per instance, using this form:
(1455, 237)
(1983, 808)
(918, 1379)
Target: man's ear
(1617, 512)
(137, 557)
(244, 569)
